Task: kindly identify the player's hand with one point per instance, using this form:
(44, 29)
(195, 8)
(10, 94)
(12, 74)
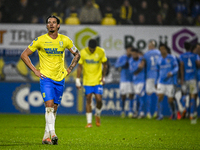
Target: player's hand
(103, 80)
(78, 83)
(37, 73)
(169, 74)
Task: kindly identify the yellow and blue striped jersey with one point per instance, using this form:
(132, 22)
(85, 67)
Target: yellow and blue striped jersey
(51, 55)
(92, 65)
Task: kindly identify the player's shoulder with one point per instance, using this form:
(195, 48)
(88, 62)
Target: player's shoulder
(156, 51)
(84, 51)
(41, 37)
(63, 37)
(123, 56)
(100, 49)
(172, 56)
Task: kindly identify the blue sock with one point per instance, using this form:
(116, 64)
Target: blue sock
(141, 101)
(183, 100)
(192, 105)
(131, 105)
(148, 98)
(159, 109)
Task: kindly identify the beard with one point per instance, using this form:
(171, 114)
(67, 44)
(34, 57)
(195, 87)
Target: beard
(52, 31)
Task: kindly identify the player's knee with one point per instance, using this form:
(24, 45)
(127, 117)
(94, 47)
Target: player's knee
(49, 110)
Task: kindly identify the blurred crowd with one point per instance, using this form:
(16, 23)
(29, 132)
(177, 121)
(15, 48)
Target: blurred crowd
(104, 12)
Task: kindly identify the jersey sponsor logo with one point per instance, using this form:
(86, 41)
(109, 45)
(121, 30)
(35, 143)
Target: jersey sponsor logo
(91, 61)
(61, 44)
(53, 51)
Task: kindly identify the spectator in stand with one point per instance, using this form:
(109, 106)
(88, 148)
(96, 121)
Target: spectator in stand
(21, 10)
(108, 16)
(57, 9)
(180, 20)
(126, 13)
(197, 21)
(147, 13)
(181, 6)
(73, 5)
(195, 11)
(141, 20)
(89, 14)
(107, 10)
(4, 12)
(159, 20)
(167, 13)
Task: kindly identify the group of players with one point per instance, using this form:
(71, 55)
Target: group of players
(156, 74)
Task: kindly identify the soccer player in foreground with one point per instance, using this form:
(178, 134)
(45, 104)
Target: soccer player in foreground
(92, 58)
(138, 80)
(189, 63)
(167, 67)
(51, 50)
(125, 86)
(149, 62)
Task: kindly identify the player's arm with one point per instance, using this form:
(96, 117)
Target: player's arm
(105, 67)
(121, 62)
(198, 62)
(140, 67)
(174, 70)
(26, 59)
(79, 71)
(75, 60)
(182, 72)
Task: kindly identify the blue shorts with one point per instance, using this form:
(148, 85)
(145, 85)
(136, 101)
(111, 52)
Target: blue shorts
(97, 89)
(51, 89)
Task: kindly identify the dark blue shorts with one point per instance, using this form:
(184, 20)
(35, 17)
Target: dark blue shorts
(97, 89)
(51, 89)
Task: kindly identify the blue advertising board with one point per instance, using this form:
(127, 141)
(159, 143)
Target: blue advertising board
(21, 97)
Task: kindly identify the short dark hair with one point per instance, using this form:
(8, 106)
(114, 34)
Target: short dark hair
(134, 50)
(128, 46)
(166, 47)
(92, 43)
(52, 16)
(187, 46)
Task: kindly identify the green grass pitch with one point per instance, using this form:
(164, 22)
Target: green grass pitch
(25, 132)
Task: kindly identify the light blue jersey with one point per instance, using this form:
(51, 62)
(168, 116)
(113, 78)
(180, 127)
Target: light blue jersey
(151, 57)
(133, 66)
(190, 70)
(164, 66)
(123, 62)
(177, 75)
(198, 74)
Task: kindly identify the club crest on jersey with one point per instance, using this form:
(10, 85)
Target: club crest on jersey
(168, 60)
(61, 43)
